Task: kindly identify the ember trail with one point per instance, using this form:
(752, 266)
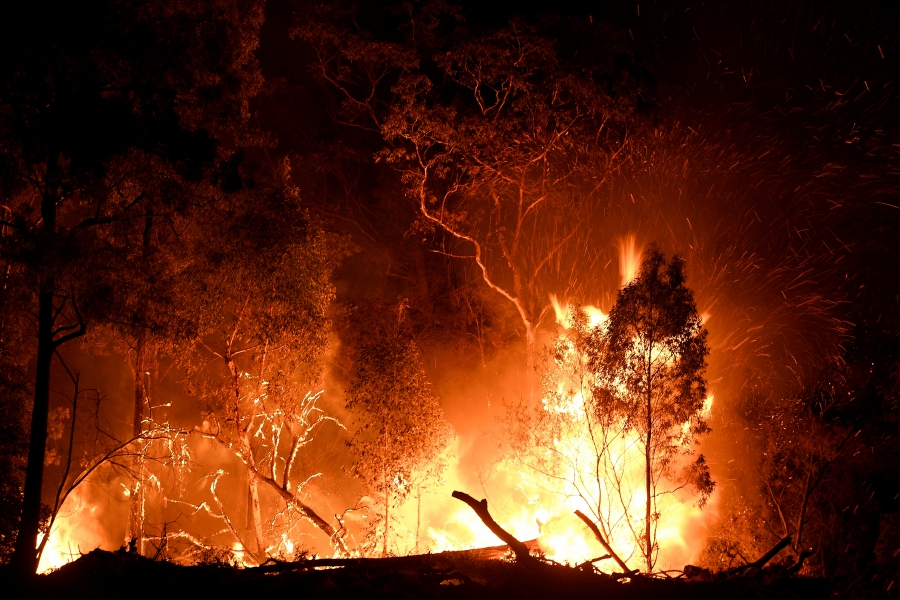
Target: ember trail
(449, 298)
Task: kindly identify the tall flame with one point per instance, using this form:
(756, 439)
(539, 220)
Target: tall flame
(629, 258)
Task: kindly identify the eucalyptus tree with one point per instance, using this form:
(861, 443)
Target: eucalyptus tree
(503, 136)
(624, 403)
(400, 430)
(649, 361)
(115, 117)
(258, 295)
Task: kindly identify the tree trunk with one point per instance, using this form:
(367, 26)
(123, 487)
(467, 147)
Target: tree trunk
(135, 531)
(418, 515)
(648, 552)
(648, 449)
(387, 491)
(648, 458)
(387, 516)
(25, 560)
(247, 452)
(253, 484)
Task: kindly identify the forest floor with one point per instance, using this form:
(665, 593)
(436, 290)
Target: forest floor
(121, 575)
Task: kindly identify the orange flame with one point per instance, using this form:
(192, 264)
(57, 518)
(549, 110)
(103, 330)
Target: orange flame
(629, 258)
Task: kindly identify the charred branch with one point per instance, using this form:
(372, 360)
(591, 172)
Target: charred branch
(764, 559)
(480, 508)
(593, 527)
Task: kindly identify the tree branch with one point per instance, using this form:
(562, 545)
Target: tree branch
(480, 508)
(593, 527)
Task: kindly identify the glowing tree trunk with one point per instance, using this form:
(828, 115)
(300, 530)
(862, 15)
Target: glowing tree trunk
(135, 529)
(247, 456)
(386, 486)
(648, 462)
(144, 357)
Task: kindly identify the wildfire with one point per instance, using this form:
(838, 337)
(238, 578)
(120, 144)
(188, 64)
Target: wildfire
(550, 500)
(563, 475)
(76, 531)
(539, 488)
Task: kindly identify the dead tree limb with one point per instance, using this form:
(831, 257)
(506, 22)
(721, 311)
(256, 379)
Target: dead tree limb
(593, 527)
(590, 563)
(765, 558)
(480, 508)
(795, 568)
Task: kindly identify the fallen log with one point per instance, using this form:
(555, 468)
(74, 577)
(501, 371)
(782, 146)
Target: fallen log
(481, 509)
(593, 527)
(413, 561)
(590, 563)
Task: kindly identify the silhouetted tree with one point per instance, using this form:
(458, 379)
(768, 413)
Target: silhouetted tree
(650, 360)
(14, 391)
(400, 429)
(110, 115)
(823, 459)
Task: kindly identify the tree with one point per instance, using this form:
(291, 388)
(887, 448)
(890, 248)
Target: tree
(650, 360)
(812, 449)
(400, 427)
(13, 404)
(259, 297)
(93, 98)
(502, 136)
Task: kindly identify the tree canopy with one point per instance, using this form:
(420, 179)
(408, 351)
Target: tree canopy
(116, 119)
(650, 359)
(400, 427)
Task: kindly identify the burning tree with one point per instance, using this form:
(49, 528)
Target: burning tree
(650, 360)
(400, 427)
(624, 400)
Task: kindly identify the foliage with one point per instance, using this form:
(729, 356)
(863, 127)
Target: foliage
(651, 359)
(501, 138)
(12, 456)
(258, 296)
(816, 475)
(14, 391)
(400, 429)
(115, 117)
